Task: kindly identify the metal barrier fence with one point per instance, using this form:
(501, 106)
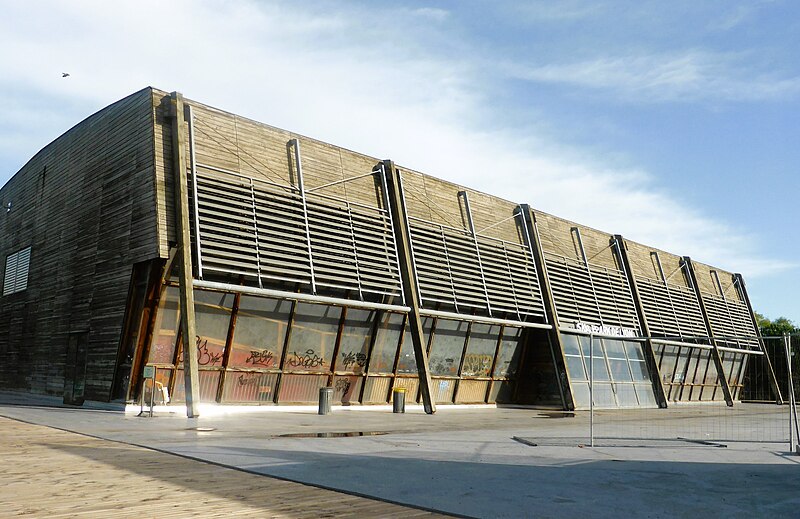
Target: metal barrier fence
(761, 412)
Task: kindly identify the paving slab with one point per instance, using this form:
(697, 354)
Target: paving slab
(467, 461)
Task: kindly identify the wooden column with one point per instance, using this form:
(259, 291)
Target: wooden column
(649, 353)
(773, 380)
(409, 278)
(556, 345)
(723, 381)
(184, 257)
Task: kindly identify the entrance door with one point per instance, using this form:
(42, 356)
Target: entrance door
(75, 368)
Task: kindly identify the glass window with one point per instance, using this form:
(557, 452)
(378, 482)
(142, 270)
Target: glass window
(668, 359)
(312, 338)
(603, 395)
(691, 374)
(571, 346)
(614, 348)
(736, 368)
(447, 347)
(711, 374)
(575, 368)
(619, 370)
(249, 386)
(260, 333)
(481, 347)
(639, 369)
(626, 395)
(165, 331)
(728, 362)
(580, 393)
(614, 373)
(680, 366)
(646, 396)
(386, 339)
(634, 350)
(600, 368)
(510, 352)
(407, 362)
(212, 312)
(356, 336)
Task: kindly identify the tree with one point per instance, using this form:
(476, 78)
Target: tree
(775, 328)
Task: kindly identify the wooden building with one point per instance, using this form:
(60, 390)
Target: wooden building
(309, 266)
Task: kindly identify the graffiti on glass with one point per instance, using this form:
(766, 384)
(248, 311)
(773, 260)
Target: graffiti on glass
(205, 357)
(343, 385)
(309, 359)
(351, 359)
(439, 365)
(476, 364)
(264, 358)
(247, 380)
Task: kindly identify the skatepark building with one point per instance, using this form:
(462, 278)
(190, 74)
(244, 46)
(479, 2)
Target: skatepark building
(306, 265)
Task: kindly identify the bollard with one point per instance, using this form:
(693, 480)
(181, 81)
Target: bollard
(325, 397)
(399, 400)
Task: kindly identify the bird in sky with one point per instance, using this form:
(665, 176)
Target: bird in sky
(65, 74)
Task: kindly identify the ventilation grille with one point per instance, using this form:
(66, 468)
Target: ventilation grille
(258, 229)
(449, 271)
(671, 310)
(16, 276)
(593, 294)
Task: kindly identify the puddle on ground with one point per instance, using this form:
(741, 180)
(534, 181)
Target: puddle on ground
(201, 429)
(557, 414)
(332, 434)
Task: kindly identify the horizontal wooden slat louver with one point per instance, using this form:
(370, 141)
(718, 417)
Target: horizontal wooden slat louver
(731, 322)
(671, 310)
(16, 272)
(23, 266)
(593, 294)
(257, 228)
(449, 271)
(10, 280)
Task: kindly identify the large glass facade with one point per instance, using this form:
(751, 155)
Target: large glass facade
(617, 368)
(688, 372)
(264, 351)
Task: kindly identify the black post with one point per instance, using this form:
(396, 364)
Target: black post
(407, 273)
(556, 346)
(621, 249)
(723, 381)
(746, 298)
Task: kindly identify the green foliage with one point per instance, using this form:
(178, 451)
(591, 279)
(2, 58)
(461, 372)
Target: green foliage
(775, 328)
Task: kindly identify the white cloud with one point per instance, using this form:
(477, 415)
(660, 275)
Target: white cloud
(432, 13)
(686, 76)
(738, 15)
(563, 11)
(341, 77)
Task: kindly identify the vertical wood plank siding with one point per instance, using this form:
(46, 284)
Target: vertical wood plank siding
(85, 206)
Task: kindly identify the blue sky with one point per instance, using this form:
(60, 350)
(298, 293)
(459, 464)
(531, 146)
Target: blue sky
(672, 123)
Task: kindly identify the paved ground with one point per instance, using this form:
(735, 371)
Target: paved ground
(53, 473)
(467, 461)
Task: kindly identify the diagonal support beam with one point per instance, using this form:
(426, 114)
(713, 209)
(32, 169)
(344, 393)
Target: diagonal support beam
(191, 376)
(723, 380)
(397, 206)
(531, 233)
(739, 280)
(621, 249)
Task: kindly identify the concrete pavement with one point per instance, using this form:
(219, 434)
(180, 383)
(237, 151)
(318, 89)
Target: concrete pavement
(466, 461)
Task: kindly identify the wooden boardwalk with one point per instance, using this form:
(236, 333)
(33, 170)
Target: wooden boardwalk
(52, 473)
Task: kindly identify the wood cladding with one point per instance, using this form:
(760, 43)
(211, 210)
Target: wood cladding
(558, 238)
(100, 199)
(85, 206)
